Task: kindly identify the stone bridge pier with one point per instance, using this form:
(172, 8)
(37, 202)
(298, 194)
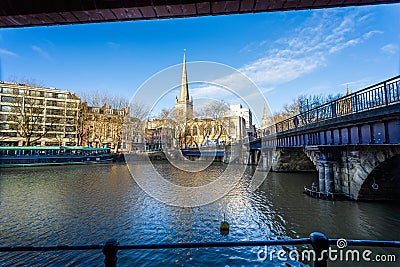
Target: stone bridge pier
(360, 172)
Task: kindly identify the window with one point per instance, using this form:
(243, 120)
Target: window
(7, 99)
(69, 129)
(49, 95)
(71, 113)
(60, 96)
(70, 121)
(55, 112)
(50, 103)
(5, 108)
(3, 117)
(6, 90)
(4, 126)
(58, 128)
(38, 102)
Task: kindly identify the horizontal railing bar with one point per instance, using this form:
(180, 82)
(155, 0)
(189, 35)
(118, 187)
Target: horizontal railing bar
(300, 241)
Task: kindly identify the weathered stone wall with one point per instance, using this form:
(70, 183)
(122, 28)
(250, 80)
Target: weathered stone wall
(360, 164)
(370, 172)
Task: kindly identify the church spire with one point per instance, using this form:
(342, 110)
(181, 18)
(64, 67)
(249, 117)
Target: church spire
(264, 121)
(184, 94)
(265, 112)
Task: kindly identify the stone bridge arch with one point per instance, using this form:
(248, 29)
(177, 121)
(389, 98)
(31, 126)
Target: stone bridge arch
(377, 176)
(360, 172)
(289, 159)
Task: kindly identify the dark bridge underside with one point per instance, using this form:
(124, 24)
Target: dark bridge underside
(23, 13)
(383, 183)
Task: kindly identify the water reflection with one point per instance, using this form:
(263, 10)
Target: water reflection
(89, 204)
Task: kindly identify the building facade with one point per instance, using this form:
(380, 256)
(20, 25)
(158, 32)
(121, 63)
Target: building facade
(33, 115)
(237, 110)
(103, 126)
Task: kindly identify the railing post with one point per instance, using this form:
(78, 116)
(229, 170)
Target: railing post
(320, 244)
(386, 94)
(356, 103)
(110, 251)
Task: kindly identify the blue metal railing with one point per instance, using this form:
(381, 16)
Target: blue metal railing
(375, 96)
(318, 241)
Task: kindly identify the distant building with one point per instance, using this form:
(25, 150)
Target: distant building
(133, 135)
(237, 110)
(153, 132)
(38, 116)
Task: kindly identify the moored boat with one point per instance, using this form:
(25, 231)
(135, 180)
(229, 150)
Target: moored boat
(52, 155)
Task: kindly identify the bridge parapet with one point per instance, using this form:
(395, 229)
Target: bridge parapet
(380, 95)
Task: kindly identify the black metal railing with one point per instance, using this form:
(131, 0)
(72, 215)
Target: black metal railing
(318, 241)
(376, 96)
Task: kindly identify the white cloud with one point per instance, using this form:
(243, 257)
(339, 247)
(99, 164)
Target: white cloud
(342, 46)
(358, 84)
(365, 17)
(302, 51)
(372, 33)
(113, 45)
(209, 92)
(279, 69)
(40, 51)
(308, 47)
(7, 53)
(390, 49)
(253, 46)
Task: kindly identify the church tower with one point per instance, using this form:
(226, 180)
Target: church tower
(184, 105)
(264, 121)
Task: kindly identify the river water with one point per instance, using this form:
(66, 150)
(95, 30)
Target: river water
(92, 203)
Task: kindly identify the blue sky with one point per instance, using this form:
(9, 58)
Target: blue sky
(284, 53)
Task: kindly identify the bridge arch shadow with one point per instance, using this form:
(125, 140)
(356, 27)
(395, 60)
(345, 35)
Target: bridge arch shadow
(383, 182)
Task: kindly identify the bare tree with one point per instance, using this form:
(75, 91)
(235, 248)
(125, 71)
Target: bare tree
(28, 113)
(26, 80)
(213, 123)
(98, 98)
(304, 105)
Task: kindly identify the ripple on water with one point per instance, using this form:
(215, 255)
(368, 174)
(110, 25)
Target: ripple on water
(90, 204)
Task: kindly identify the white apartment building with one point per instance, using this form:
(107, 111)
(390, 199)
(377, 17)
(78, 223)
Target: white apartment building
(245, 113)
(49, 115)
